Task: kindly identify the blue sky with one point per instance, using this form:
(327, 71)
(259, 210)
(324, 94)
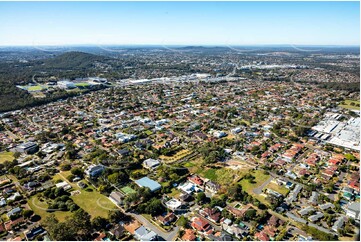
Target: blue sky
(180, 23)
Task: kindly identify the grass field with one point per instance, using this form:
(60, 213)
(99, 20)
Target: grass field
(127, 190)
(222, 176)
(280, 189)
(6, 156)
(210, 174)
(35, 88)
(179, 155)
(94, 203)
(39, 208)
(349, 106)
(260, 178)
(82, 84)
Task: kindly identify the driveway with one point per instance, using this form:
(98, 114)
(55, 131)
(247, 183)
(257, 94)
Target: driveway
(259, 189)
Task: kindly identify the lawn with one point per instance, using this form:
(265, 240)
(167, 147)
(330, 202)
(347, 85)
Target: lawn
(35, 88)
(91, 201)
(210, 174)
(82, 84)
(94, 203)
(280, 189)
(128, 190)
(6, 156)
(39, 208)
(175, 193)
(222, 176)
(260, 178)
(188, 164)
(349, 106)
(148, 132)
(179, 155)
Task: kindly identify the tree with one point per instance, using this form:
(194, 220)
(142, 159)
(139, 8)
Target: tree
(99, 223)
(117, 177)
(65, 167)
(116, 215)
(59, 231)
(200, 197)
(250, 214)
(154, 207)
(182, 221)
(81, 221)
(76, 171)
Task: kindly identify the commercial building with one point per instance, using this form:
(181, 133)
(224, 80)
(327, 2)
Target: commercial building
(29, 148)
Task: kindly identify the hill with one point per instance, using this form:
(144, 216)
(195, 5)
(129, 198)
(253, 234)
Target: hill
(73, 60)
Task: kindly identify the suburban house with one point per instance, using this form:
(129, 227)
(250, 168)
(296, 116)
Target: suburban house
(353, 210)
(94, 170)
(201, 225)
(144, 234)
(151, 164)
(212, 214)
(167, 219)
(116, 197)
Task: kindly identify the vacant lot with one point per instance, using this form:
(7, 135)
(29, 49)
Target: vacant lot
(223, 176)
(260, 178)
(179, 155)
(351, 104)
(6, 156)
(280, 189)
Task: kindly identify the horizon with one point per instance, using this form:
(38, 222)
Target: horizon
(180, 23)
(179, 45)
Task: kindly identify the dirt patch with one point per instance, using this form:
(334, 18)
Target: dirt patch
(132, 226)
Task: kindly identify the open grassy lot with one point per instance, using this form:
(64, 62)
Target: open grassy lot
(39, 208)
(280, 189)
(210, 174)
(94, 203)
(348, 105)
(179, 155)
(6, 156)
(223, 176)
(260, 178)
(89, 199)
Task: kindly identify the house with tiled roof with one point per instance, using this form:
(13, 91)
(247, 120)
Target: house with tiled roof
(195, 180)
(189, 235)
(212, 214)
(201, 225)
(262, 236)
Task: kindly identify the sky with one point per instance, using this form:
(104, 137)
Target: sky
(179, 23)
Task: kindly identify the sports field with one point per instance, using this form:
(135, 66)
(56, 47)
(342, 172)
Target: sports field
(127, 190)
(351, 104)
